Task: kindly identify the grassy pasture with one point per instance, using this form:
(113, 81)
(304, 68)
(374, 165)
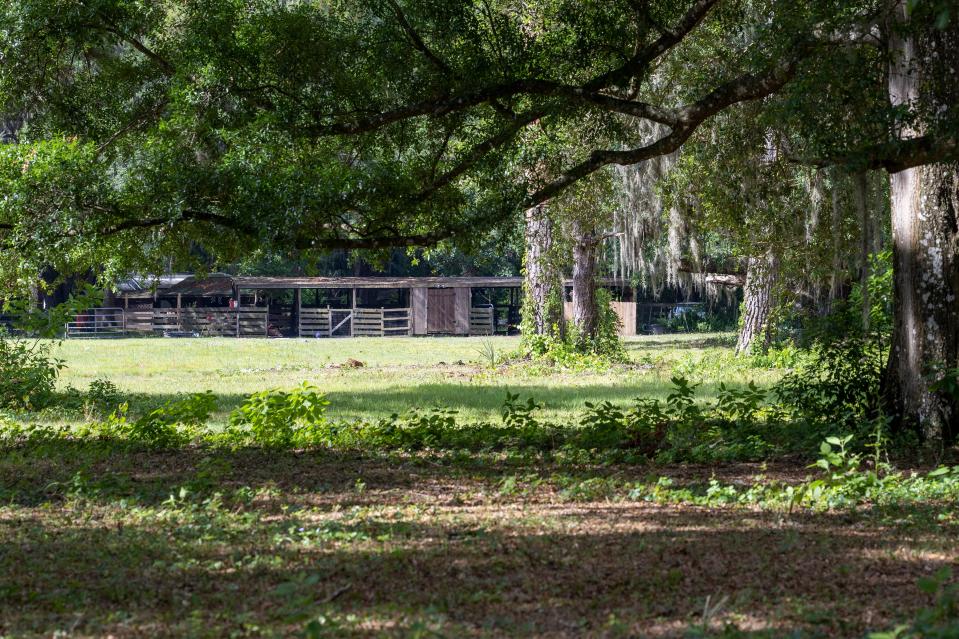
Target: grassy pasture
(398, 373)
(100, 539)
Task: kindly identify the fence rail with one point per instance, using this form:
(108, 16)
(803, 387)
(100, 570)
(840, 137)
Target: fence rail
(381, 322)
(96, 323)
(481, 320)
(241, 322)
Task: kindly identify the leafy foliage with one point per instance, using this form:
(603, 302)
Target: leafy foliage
(278, 418)
(569, 349)
(28, 373)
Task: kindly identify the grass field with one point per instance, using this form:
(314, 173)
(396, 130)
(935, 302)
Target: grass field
(398, 373)
(100, 538)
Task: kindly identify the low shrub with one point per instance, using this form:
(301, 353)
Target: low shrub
(281, 419)
(174, 424)
(28, 373)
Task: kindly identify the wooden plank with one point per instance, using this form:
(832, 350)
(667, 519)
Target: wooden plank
(627, 316)
(481, 321)
(441, 310)
(625, 310)
(418, 299)
(461, 311)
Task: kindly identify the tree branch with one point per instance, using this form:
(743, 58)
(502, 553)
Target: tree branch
(745, 88)
(530, 86)
(892, 156)
(137, 44)
(641, 59)
(588, 93)
(418, 43)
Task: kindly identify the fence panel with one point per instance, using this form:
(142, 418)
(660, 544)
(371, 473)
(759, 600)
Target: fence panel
(396, 322)
(208, 322)
(367, 322)
(316, 322)
(481, 320)
(96, 323)
(251, 321)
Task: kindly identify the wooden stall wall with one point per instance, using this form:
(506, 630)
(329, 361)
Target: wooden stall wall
(462, 312)
(625, 310)
(418, 298)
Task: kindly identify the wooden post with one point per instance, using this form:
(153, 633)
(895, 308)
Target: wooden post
(353, 313)
(236, 308)
(179, 325)
(297, 306)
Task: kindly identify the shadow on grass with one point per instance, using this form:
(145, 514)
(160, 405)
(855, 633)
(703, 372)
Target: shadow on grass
(478, 399)
(403, 556)
(680, 342)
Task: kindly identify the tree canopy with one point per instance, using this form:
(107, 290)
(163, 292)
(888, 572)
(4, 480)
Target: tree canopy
(146, 129)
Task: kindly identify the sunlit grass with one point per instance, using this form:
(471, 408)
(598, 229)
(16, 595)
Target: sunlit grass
(397, 373)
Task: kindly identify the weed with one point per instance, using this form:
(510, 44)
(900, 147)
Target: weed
(278, 419)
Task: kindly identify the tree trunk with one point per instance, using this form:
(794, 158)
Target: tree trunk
(758, 303)
(925, 338)
(859, 197)
(543, 285)
(10, 129)
(585, 311)
(925, 204)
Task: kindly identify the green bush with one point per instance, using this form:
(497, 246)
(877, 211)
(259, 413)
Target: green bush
(571, 350)
(28, 373)
(280, 419)
(174, 424)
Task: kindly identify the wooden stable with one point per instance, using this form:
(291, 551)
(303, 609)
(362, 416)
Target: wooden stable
(236, 306)
(222, 305)
(383, 306)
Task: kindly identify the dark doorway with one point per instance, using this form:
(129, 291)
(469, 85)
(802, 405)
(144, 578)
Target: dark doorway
(441, 310)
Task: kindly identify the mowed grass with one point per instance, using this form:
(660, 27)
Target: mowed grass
(397, 373)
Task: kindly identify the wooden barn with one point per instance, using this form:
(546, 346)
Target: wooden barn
(237, 306)
(223, 305)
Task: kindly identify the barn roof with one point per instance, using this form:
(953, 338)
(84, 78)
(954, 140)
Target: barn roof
(376, 282)
(213, 285)
(145, 285)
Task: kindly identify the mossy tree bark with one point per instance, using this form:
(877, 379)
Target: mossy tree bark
(543, 281)
(925, 228)
(585, 311)
(758, 303)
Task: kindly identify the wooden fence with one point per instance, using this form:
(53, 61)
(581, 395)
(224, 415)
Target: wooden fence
(206, 322)
(381, 322)
(481, 320)
(245, 322)
(315, 322)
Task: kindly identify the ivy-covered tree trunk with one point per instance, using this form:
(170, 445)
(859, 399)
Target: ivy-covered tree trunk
(543, 282)
(859, 186)
(758, 303)
(585, 311)
(925, 216)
